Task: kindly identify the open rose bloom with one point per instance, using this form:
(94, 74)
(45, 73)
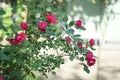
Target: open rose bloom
(90, 59)
(42, 26)
(19, 38)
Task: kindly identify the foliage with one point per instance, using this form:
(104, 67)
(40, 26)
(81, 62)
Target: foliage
(41, 43)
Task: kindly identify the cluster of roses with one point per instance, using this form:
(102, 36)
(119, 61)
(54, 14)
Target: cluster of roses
(42, 25)
(20, 37)
(90, 58)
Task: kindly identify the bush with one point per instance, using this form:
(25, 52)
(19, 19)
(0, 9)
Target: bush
(31, 43)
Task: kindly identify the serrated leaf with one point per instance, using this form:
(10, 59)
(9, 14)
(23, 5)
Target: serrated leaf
(82, 28)
(70, 31)
(71, 23)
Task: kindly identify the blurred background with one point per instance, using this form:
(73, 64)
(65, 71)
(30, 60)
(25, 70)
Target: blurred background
(101, 19)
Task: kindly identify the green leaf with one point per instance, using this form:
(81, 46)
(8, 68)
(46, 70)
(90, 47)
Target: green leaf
(81, 59)
(33, 74)
(2, 12)
(13, 28)
(4, 56)
(79, 40)
(4, 28)
(86, 69)
(32, 16)
(77, 35)
(71, 23)
(65, 18)
(53, 73)
(92, 48)
(71, 57)
(82, 28)
(70, 31)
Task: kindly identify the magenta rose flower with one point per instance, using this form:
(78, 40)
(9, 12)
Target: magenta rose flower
(23, 26)
(79, 44)
(78, 23)
(51, 18)
(42, 26)
(89, 55)
(1, 78)
(68, 39)
(20, 37)
(91, 42)
(91, 62)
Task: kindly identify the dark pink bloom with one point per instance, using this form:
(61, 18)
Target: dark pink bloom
(42, 26)
(68, 39)
(91, 42)
(1, 78)
(13, 41)
(79, 44)
(51, 18)
(23, 26)
(78, 23)
(20, 37)
(89, 55)
(91, 62)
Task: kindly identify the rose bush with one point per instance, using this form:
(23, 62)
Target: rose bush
(30, 44)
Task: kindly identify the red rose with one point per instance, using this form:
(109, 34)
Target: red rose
(20, 37)
(42, 26)
(13, 41)
(78, 23)
(1, 78)
(91, 42)
(79, 44)
(24, 26)
(51, 18)
(69, 40)
(91, 62)
(89, 55)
